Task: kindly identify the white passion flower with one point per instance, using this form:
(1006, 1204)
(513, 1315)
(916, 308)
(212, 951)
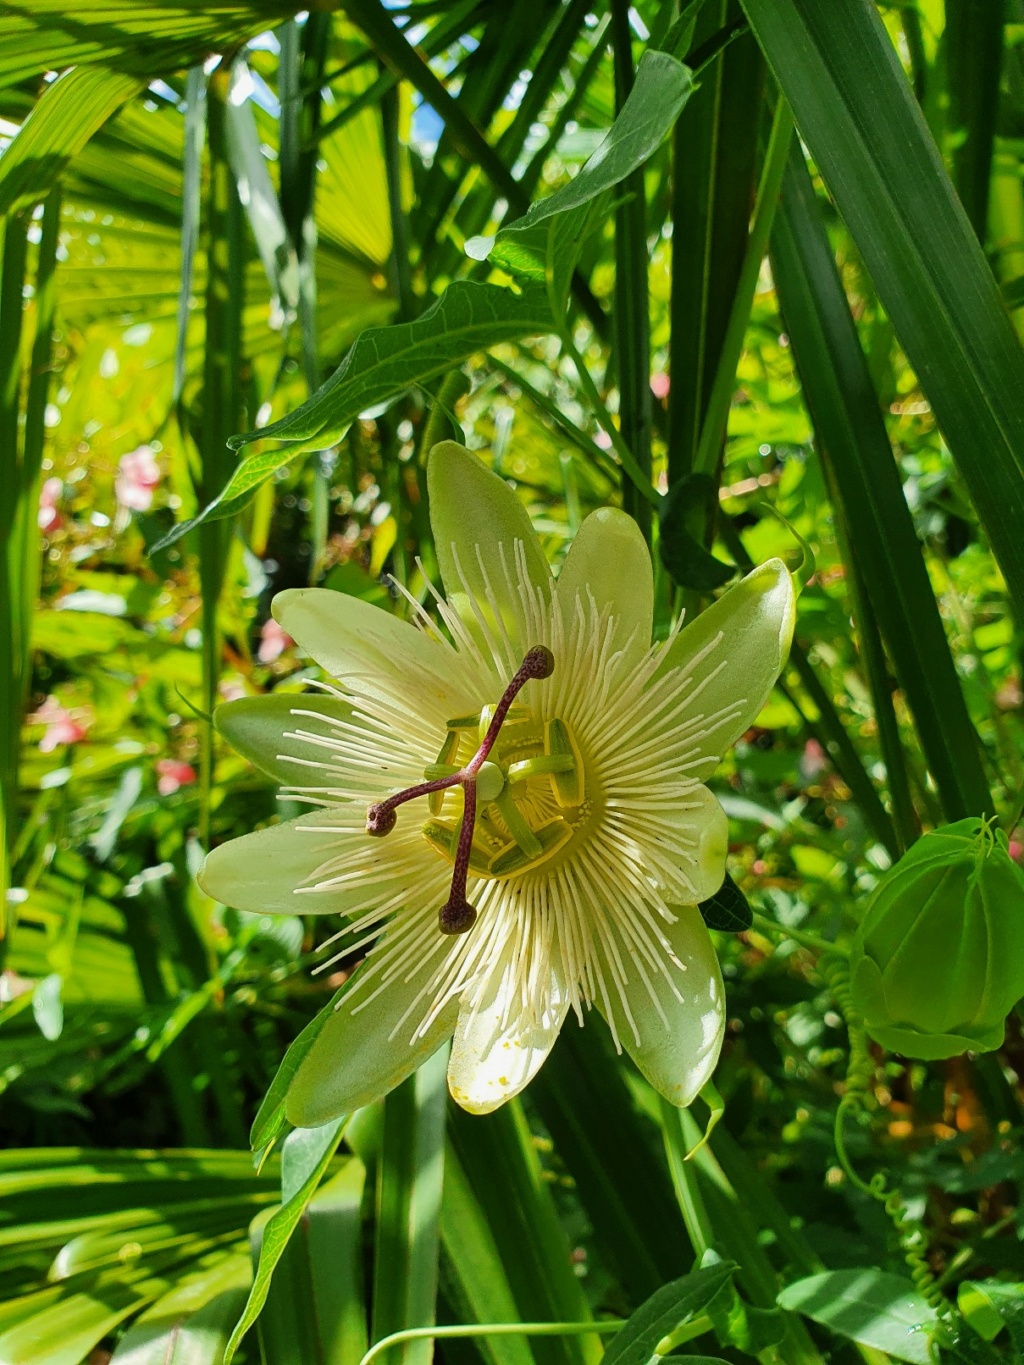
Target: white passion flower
(508, 811)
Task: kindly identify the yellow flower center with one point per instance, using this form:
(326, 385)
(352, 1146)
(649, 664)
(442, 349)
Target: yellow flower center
(531, 793)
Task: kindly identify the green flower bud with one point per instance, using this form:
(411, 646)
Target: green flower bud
(938, 961)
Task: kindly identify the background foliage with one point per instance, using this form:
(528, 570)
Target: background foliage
(720, 320)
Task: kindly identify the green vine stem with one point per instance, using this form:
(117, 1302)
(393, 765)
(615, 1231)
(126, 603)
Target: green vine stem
(488, 1329)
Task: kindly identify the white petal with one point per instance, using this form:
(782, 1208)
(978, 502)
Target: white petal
(680, 1038)
(731, 656)
(698, 843)
(365, 1050)
(495, 1052)
(264, 871)
(480, 526)
(305, 739)
(371, 652)
(609, 560)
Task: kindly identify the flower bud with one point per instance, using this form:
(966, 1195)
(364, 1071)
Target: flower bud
(938, 961)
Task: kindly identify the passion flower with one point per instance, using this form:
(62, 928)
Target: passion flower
(509, 808)
(938, 961)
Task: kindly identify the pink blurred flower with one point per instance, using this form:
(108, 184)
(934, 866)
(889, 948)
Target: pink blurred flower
(62, 726)
(231, 689)
(273, 642)
(49, 496)
(1016, 849)
(660, 385)
(173, 774)
(137, 475)
(813, 761)
(12, 985)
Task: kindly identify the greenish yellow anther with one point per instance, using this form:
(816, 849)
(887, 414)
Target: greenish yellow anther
(516, 825)
(445, 761)
(540, 766)
(567, 784)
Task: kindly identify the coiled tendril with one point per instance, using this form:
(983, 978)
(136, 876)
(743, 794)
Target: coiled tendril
(860, 1074)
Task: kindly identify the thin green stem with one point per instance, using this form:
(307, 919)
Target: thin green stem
(801, 936)
(630, 467)
(555, 414)
(454, 386)
(489, 1329)
(684, 1178)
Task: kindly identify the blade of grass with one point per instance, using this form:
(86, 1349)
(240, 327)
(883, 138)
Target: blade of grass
(315, 1308)
(19, 541)
(713, 185)
(499, 1157)
(12, 279)
(300, 77)
(858, 116)
(709, 448)
(449, 26)
(191, 181)
(973, 48)
(631, 320)
(221, 401)
(410, 1176)
(66, 115)
(855, 447)
(614, 1157)
(308, 1153)
(375, 22)
(475, 1276)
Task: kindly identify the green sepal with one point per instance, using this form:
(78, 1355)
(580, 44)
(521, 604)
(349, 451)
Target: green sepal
(256, 726)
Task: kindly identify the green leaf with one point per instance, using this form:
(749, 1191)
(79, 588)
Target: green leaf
(738, 1323)
(474, 1269)
(65, 1327)
(383, 362)
(991, 1305)
(61, 122)
(670, 1307)
(270, 1121)
(727, 910)
(871, 1306)
(855, 448)
(714, 181)
(410, 1175)
(307, 1154)
(149, 40)
(550, 249)
(684, 513)
(614, 1157)
(257, 193)
(662, 87)
(500, 1159)
(191, 1324)
(315, 1309)
(839, 71)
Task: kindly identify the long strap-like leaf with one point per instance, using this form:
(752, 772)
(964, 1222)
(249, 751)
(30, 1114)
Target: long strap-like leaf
(858, 116)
